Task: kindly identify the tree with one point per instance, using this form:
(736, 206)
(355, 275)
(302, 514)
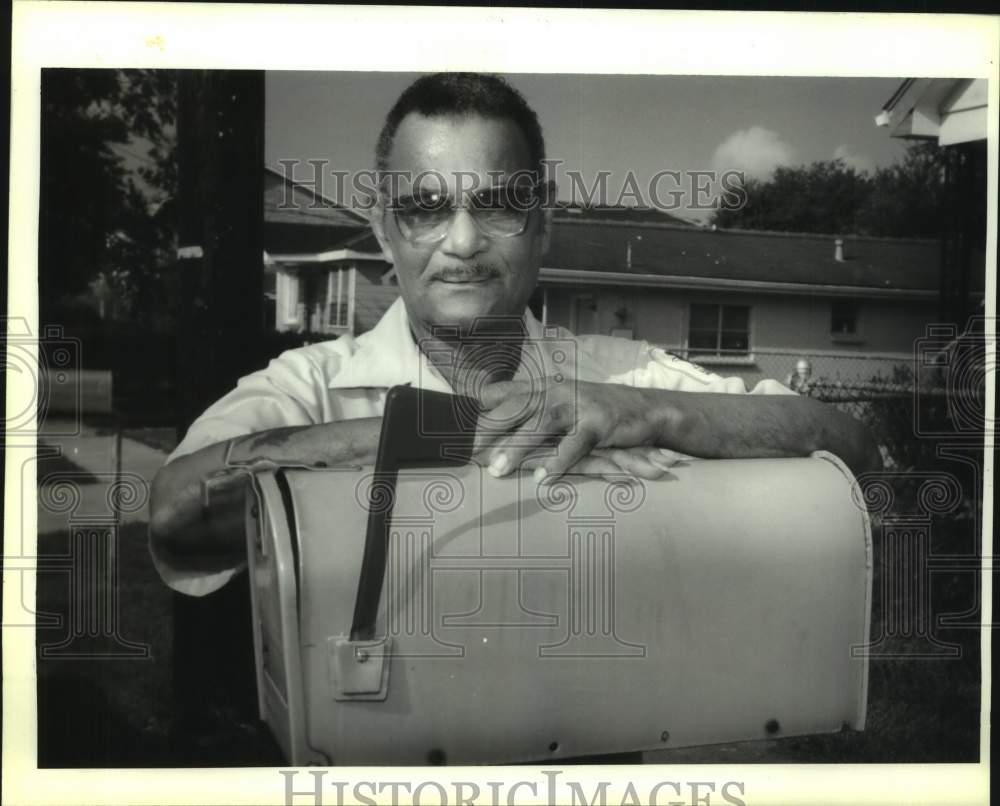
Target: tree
(103, 213)
(831, 197)
(906, 198)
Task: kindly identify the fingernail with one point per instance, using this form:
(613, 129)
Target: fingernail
(499, 465)
(540, 474)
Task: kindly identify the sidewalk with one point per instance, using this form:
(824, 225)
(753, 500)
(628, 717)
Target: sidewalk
(93, 454)
(105, 688)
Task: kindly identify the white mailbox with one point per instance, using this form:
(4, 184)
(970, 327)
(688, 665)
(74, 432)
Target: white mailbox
(510, 622)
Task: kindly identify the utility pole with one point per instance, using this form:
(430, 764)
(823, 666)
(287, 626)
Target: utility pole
(220, 132)
(220, 323)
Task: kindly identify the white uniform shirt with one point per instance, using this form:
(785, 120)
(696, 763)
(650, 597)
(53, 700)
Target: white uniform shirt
(348, 378)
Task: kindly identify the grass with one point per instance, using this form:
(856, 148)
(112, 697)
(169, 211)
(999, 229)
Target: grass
(121, 712)
(920, 710)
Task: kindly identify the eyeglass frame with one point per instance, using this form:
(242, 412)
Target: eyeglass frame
(547, 186)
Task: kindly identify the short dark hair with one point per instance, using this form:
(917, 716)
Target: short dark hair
(483, 94)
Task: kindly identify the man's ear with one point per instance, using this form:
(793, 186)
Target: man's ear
(377, 220)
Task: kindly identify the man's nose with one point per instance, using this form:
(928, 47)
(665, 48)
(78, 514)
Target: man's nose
(464, 238)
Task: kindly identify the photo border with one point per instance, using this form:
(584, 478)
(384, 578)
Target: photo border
(395, 39)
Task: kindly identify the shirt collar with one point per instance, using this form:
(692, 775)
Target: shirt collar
(388, 356)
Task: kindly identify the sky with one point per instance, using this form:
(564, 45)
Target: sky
(643, 124)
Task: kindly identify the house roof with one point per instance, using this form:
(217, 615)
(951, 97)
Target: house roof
(288, 202)
(641, 246)
(948, 110)
(299, 220)
(744, 255)
(564, 211)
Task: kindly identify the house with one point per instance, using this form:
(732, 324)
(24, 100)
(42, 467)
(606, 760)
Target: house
(747, 303)
(951, 112)
(568, 211)
(319, 259)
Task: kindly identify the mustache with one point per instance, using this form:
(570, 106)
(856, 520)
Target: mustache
(476, 271)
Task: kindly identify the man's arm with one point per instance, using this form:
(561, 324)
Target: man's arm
(749, 426)
(708, 425)
(179, 519)
(182, 524)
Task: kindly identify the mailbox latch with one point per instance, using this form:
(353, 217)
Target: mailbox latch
(359, 670)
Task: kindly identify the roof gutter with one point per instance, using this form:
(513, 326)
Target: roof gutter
(579, 276)
(326, 257)
(889, 105)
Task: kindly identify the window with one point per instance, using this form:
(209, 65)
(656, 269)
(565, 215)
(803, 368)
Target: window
(291, 296)
(339, 300)
(844, 320)
(719, 330)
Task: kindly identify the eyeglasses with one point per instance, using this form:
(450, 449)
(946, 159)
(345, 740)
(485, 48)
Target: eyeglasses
(501, 211)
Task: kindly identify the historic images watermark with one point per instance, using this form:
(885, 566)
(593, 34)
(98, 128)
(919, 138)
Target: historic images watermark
(90, 503)
(910, 508)
(581, 551)
(314, 787)
(578, 567)
(667, 190)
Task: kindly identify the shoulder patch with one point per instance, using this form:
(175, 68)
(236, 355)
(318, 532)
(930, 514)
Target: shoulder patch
(674, 358)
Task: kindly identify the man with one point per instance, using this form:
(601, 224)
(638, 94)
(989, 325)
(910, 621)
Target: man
(466, 234)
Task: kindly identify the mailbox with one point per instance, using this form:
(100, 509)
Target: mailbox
(506, 621)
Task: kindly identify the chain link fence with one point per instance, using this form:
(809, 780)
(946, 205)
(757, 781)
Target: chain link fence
(911, 402)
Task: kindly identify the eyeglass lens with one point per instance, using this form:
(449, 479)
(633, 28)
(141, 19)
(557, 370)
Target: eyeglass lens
(498, 212)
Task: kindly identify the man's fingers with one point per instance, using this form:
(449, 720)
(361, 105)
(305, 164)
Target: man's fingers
(592, 465)
(509, 453)
(522, 450)
(571, 449)
(596, 466)
(494, 425)
(664, 457)
(493, 394)
(530, 426)
(510, 413)
(636, 463)
(485, 438)
(610, 463)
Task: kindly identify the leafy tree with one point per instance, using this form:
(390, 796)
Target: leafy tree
(108, 169)
(832, 197)
(906, 198)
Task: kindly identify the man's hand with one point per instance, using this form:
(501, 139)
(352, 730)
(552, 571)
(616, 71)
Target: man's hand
(555, 426)
(647, 463)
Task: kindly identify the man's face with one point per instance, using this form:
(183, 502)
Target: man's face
(469, 273)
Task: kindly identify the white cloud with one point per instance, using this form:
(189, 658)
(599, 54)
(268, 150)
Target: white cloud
(855, 161)
(755, 151)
